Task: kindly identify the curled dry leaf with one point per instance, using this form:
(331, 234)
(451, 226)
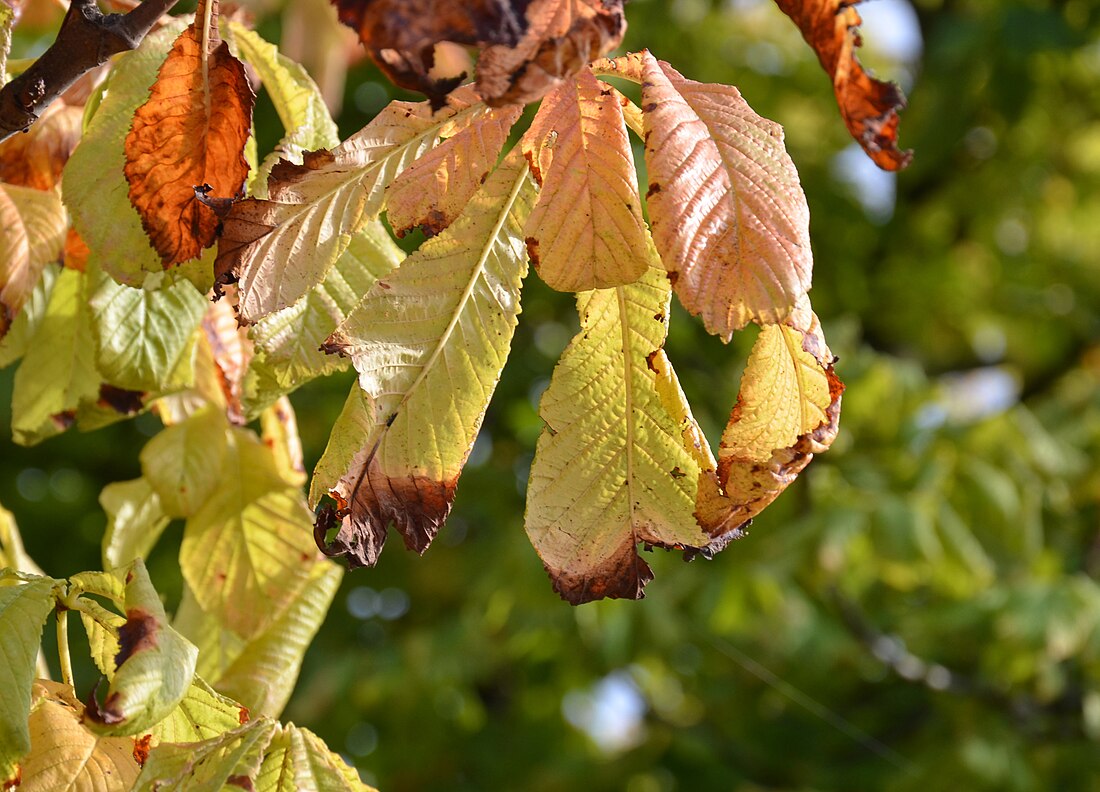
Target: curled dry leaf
(586, 231)
(561, 38)
(32, 233)
(190, 133)
(729, 216)
(35, 158)
(232, 350)
(869, 106)
(401, 35)
(788, 409)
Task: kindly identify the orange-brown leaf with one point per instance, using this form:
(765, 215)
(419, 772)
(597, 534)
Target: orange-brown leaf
(432, 191)
(35, 158)
(586, 230)
(560, 39)
(869, 106)
(729, 216)
(401, 35)
(32, 231)
(191, 132)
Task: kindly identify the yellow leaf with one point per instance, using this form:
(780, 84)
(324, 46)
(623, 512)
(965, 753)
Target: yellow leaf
(586, 230)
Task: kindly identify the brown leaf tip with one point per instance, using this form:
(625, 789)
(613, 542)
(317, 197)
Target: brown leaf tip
(108, 714)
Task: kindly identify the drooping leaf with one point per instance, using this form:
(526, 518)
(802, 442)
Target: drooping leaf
(561, 38)
(12, 553)
(183, 463)
(190, 134)
(58, 371)
(263, 675)
(66, 755)
(729, 216)
(788, 409)
(231, 352)
(245, 550)
(94, 186)
(279, 432)
(429, 343)
(288, 342)
(401, 35)
(209, 765)
(869, 106)
(24, 607)
(32, 233)
(135, 521)
(432, 192)
(586, 230)
(36, 157)
(298, 759)
(282, 247)
(619, 459)
(296, 98)
(141, 333)
(154, 666)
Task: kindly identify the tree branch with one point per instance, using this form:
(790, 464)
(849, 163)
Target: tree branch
(87, 38)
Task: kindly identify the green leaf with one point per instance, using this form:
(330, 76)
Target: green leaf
(429, 343)
(65, 755)
(141, 334)
(101, 626)
(617, 463)
(135, 521)
(154, 665)
(207, 766)
(14, 345)
(12, 554)
(288, 342)
(296, 97)
(202, 715)
(183, 463)
(94, 186)
(246, 550)
(58, 369)
(218, 647)
(299, 759)
(23, 611)
(262, 677)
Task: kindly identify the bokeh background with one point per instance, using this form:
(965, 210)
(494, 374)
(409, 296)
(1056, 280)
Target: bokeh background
(919, 611)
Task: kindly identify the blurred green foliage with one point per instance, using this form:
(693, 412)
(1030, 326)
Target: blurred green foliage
(919, 611)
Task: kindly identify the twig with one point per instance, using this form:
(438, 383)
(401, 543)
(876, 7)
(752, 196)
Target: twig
(88, 38)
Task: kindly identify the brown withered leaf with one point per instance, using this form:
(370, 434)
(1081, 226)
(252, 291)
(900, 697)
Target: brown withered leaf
(788, 409)
(35, 158)
(432, 191)
(232, 351)
(586, 231)
(32, 232)
(401, 35)
(729, 216)
(869, 106)
(191, 132)
(561, 38)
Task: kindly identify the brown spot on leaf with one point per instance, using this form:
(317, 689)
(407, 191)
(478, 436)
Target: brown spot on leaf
(75, 254)
(138, 634)
(122, 401)
(63, 420)
(649, 360)
(533, 251)
(242, 781)
(141, 748)
(244, 716)
(108, 714)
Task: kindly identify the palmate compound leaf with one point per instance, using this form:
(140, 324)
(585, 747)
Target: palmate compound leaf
(432, 192)
(729, 216)
(24, 607)
(94, 186)
(620, 457)
(154, 667)
(429, 343)
(32, 233)
(191, 132)
(66, 755)
(248, 548)
(282, 247)
(869, 106)
(586, 230)
(788, 409)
